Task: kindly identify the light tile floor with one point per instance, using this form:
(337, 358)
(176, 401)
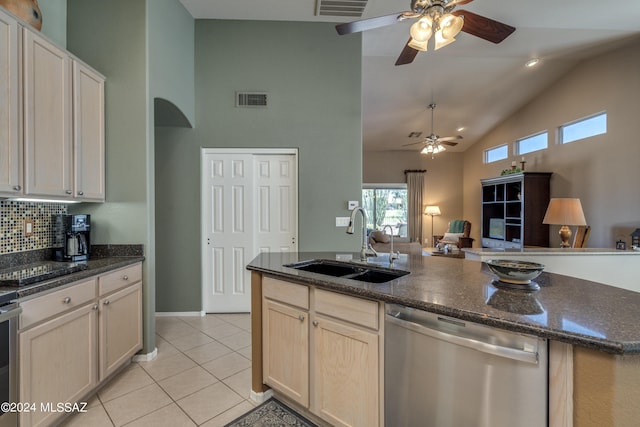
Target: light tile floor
(201, 377)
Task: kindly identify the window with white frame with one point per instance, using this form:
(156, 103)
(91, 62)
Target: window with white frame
(494, 154)
(532, 143)
(583, 128)
(386, 204)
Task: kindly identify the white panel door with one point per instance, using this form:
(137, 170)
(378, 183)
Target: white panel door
(249, 204)
(228, 224)
(275, 203)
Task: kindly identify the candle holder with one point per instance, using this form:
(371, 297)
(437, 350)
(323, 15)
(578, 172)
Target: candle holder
(522, 165)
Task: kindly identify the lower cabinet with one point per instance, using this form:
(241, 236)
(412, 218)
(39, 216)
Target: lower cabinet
(120, 328)
(71, 340)
(58, 364)
(322, 350)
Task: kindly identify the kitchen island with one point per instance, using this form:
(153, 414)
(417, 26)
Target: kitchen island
(592, 328)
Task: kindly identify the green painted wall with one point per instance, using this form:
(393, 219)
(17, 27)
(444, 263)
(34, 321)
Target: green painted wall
(171, 55)
(54, 20)
(115, 44)
(313, 78)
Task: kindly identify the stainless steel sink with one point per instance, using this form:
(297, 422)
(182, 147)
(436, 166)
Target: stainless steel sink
(345, 270)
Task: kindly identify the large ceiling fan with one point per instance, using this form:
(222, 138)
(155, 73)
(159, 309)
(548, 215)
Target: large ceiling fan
(433, 144)
(437, 18)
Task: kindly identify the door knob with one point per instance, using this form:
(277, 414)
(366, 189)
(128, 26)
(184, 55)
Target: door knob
(315, 323)
(301, 318)
(66, 300)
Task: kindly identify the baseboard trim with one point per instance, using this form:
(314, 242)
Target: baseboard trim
(148, 357)
(262, 396)
(181, 313)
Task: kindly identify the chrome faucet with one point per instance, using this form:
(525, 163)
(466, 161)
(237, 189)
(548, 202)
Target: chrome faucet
(367, 250)
(392, 255)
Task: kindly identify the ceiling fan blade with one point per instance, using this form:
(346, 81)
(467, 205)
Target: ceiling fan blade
(371, 23)
(458, 2)
(450, 138)
(483, 27)
(450, 144)
(413, 143)
(407, 55)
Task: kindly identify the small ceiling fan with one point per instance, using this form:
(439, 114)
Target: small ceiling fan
(437, 18)
(433, 144)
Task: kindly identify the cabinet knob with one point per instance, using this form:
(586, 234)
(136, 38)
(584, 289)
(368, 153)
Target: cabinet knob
(68, 191)
(125, 277)
(301, 318)
(315, 323)
(66, 300)
(95, 307)
(17, 188)
(107, 302)
(80, 193)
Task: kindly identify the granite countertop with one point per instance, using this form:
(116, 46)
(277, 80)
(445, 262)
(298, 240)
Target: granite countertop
(105, 258)
(565, 309)
(551, 251)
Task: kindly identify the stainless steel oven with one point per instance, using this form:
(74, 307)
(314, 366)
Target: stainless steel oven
(9, 312)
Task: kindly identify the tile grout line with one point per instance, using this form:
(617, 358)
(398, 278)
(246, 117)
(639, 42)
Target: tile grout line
(197, 329)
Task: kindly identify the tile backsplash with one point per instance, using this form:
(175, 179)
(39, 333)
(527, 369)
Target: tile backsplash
(12, 218)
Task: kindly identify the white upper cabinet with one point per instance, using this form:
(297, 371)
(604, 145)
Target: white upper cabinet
(47, 118)
(52, 122)
(10, 142)
(88, 133)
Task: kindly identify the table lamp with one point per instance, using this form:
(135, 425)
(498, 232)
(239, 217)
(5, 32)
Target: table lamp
(564, 212)
(432, 211)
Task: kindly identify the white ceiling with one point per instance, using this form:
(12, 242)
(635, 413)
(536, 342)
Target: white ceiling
(475, 83)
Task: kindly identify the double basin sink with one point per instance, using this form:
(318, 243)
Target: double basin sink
(344, 270)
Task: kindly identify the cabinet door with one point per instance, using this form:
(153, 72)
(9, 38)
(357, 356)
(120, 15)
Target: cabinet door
(285, 346)
(57, 363)
(345, 374)
(120, 328)
(47, 118)
(88, 133)
(10, 117)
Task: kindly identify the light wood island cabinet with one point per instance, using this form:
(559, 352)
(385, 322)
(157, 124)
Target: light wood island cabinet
(322, 350)
(71, 340)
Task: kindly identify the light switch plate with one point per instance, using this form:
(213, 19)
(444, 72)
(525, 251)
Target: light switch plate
(352, 204)
(342, 221)
(28, 227)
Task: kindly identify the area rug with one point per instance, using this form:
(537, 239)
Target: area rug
(271, 413)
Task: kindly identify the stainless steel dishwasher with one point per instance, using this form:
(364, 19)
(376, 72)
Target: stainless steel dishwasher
(444, 372)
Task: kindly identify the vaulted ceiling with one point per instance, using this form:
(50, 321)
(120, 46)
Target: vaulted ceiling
(475, 84)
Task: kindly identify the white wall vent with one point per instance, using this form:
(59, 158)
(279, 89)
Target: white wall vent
(251, 99)
(354, 8)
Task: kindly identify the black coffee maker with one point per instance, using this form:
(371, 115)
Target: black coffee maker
(72, 237)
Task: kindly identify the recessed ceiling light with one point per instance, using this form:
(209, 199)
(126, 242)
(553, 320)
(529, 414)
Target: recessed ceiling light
(460, 129)
(532, 62)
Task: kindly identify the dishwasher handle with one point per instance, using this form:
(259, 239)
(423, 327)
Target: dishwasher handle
(507, 352)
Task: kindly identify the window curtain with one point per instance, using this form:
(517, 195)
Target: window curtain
(415, 186)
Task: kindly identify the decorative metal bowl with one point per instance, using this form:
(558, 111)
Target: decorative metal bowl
(517, 272)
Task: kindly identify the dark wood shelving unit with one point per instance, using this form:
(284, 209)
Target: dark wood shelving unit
(513, 207)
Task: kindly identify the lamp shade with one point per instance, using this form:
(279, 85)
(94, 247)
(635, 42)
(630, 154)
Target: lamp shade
(432, 210)
(564, 211)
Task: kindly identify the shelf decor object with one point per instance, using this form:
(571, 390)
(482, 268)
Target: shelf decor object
(564, 212)
(635, 239)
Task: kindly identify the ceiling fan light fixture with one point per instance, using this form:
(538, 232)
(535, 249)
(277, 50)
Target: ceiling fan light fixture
(421, 32)
(451, 25)
(441, 41)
